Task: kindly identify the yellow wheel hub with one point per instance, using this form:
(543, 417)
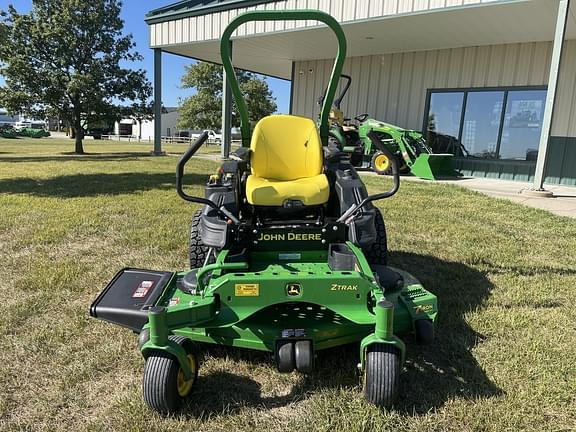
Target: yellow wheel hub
(184, 386)
(381, 162)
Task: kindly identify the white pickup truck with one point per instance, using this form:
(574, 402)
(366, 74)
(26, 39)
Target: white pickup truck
(212, 136)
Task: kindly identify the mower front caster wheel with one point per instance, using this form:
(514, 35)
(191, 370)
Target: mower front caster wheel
(292, 355)
(381, 374)
(285, 361)
(165, 386)
(304, 356)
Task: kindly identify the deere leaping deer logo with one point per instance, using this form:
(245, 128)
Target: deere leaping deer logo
(293, 289)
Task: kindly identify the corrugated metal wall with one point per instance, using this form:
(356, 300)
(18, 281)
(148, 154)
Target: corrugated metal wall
(393, 87)
(209, 27)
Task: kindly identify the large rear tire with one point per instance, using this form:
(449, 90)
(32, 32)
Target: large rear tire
(197, 251)
(382, 374)
(377, 252)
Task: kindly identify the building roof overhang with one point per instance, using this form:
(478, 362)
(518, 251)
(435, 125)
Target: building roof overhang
(272, 53)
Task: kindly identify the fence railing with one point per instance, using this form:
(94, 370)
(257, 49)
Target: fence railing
(165, 139)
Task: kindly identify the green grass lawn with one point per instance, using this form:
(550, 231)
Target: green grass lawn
(505, 276)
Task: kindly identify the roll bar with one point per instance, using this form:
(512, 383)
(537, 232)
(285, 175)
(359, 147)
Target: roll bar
(283, 15)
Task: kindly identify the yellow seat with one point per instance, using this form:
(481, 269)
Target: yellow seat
(286, 163)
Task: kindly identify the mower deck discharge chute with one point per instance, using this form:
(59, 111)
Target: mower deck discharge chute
(288, 255)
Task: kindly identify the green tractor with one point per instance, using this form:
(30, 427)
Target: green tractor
(408, 146)
(288, 256)
(7, 131)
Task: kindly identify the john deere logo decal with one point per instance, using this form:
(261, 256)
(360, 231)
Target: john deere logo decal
(293, 289)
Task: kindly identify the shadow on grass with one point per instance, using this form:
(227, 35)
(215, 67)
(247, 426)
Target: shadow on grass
(71, 156)
(87, 185)
(433, 374)
(227, 393)
(447, 369)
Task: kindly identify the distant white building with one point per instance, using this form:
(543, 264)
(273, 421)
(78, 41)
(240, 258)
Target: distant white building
(20, 121)
(7, 119)
(145, 129)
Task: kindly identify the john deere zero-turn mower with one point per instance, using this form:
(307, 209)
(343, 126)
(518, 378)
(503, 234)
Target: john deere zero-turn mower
(408, 146)
(288, 256)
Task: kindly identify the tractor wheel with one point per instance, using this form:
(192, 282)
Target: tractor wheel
(164, 385)
(381, 374)
(197, 251)
(424, 330)
(381, 164)
(377, 252)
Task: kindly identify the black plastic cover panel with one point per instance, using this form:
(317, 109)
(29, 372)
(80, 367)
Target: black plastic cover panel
(388, 279)
(127, 298)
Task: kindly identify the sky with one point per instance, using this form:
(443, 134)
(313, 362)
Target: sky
(133, 12)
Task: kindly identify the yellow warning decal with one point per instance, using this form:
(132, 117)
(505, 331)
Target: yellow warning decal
(247, 290)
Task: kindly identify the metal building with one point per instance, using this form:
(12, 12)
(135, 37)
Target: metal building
(479, 71)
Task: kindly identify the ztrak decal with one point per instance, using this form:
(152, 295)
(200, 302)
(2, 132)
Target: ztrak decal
(247, 290)
(338, 287)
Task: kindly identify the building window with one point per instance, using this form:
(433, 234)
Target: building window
(486, 123)
(482, 123)
(522, 125)
(445, 112)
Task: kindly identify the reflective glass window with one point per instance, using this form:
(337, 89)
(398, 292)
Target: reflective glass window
(522, 124)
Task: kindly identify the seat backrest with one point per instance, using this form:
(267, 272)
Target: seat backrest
(286, 147)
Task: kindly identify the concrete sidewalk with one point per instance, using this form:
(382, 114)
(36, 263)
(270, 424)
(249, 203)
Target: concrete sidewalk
(563, 203)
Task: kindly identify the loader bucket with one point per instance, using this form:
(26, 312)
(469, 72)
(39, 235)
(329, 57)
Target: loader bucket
(433, 166)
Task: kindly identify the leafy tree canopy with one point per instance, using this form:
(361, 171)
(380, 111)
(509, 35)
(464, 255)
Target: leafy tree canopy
(203, 110)
(65, 58)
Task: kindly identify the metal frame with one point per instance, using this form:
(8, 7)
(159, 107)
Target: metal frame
(292, 75)
(226, 114)
(559, 36)
(299, 15)
(465, 91)
(157, 101)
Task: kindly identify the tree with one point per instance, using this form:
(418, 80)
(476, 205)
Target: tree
(203, 110)
(64, 59)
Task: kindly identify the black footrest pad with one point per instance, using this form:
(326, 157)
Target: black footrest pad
(127, 298)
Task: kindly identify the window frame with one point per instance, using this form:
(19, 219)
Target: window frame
(465, 91)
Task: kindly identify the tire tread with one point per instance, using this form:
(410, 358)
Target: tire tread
(197, 251)
(159, 380)
(382, 374)
(377, 252)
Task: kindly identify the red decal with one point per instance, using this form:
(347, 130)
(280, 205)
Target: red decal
(143, 289)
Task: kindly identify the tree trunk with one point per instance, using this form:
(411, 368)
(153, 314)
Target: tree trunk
(78, 133)
(78, 148)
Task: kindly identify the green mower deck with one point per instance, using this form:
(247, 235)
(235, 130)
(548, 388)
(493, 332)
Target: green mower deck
(260, 306)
